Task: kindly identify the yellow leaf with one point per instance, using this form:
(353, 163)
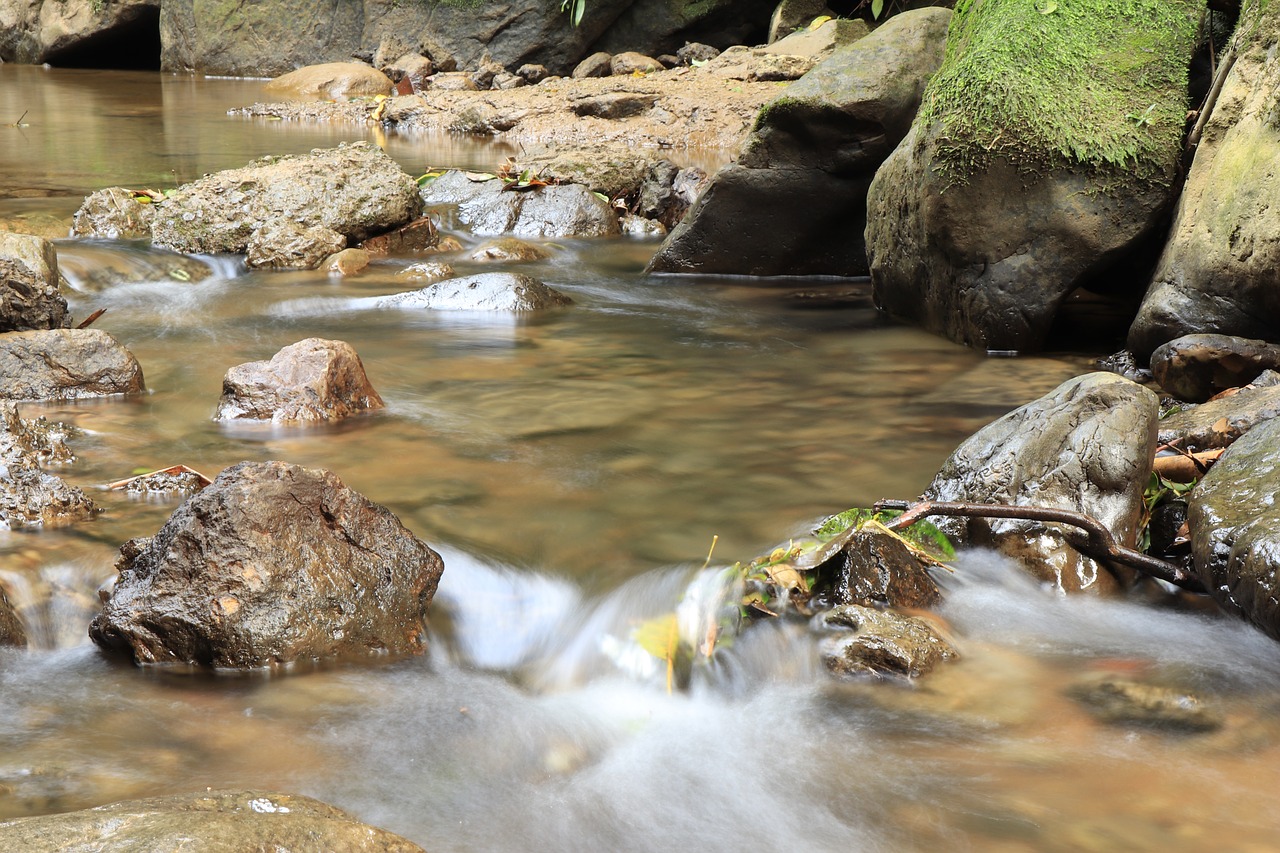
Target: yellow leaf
(660, 637)
(819, 21)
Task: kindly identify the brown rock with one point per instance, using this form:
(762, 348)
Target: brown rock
(285, 245)
(312, 380)
(65, 364)
(631, 62)
(420, 235)
(866, 641)
(332, 80)
(30, 297)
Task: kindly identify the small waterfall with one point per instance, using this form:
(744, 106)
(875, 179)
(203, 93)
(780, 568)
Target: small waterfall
(55, 603)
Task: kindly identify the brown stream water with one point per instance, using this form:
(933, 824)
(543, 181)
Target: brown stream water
(573, 470)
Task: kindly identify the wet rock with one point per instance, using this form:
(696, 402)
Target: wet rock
(614, 105)
(12, 632)
(332, 80)
(209, 821)
(284, 245)
(639, 226)
(270, 564)
(113, 214)
(355, 190)
(1087, 446)
(30, 497)
(420, 235)
(568, 210)
(877, 570)
(795, 202)
(978, 228)
(508, 249)
(1196, 367)
(1235, 528)
(630, 62)
(89, 271)
(1131, 703)
(596, 65)
(312, 380)
(486, 292)
(866, 641)
(65, 364)
(1220, 422)
(427, 271)
(346, 262)
(30, 294)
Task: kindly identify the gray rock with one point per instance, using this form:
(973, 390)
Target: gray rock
(113, 214)
(1220, 270)
(598, 64)
(66, 364)
(567, 210)
(312, 380)
(639, 226)
(355, 190)
(30, 294)
(631, 62)
(1086, 447)
(758, 65)
(506, 249)
(270, 564)
(791, 15)
(29, 497)
(486, 292)
(211, 822)
(696, 52)
(331, 80)
(1196, 367)
(867, 641)
(35, 33)
(1009, 194)
(1220, 422)
(795, 203)
(284, 245)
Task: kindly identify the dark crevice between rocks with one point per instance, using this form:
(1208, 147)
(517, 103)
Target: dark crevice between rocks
(131, 44)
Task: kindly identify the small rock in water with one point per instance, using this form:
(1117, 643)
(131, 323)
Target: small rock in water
(427, 271)
(312, 380)
(866, 641)
(486, 292)
(509, 249)
(1124, 702)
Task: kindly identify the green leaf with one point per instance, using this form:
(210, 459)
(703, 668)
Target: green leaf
(877, 8)
(1049, 8)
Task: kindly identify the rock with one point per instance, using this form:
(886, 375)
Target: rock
(821, 42)
(658, 26)
(795, 202)
(792, 15)
(453, 81)
(332, 80)
(413, 67)
(65, 364)
(355, 190)
(1196, 367)
(757, 64)
(614, 105)
(12, 632)
(1220, 422)
(878, 570)
(507, 80)
(532, 74)
(113, 214)
(1045, 158)
(89, 269)
(596, 65)
(568, 210)
(866, 641)
(284, 245)
(270, 564)
(346, 262)
(312, 380)
(484, 74)
(1123, 702)
(639, 226)
(693, 52)
(485, 292)
(630, 62)
(420, 235)
(35, 33)
(1087, 447)
(30, 497)
(209, 821)
(1221, 264)
(428, 271)
(508, 249)
(30, 293)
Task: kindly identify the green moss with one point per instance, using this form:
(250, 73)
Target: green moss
(1051, 83)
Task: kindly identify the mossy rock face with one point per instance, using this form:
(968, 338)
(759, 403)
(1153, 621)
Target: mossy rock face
(1043, 156)
(1220, 271)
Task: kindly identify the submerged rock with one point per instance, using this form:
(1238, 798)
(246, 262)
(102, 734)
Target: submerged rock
(420, 235)
(498, 291)
(270, 564)
(12, 631)
(867, 641)
(65, 364)
(1086, 447)
(209, 821)
(312, 380)
(30, 293)
(1127, 703)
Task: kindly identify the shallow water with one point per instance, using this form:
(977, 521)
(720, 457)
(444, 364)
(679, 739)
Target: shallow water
(573, 469)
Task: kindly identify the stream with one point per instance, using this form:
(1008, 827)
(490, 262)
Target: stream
(573, 470)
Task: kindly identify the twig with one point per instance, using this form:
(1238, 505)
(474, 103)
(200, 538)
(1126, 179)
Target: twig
(88, 321)
(1211, 99)
(1100, 544)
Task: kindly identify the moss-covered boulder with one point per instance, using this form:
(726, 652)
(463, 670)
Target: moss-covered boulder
(1043, 156)
(1220, 271)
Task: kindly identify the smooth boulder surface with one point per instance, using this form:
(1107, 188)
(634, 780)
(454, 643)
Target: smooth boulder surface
(66, 364)
(30, 497)
(1044, 159)
(1196, 367)
(30, 292)
(1235, 528)
(1087, 446)
(312, 380)
(270, 564)
(355, 190)
(113, 214)
(497, 291)
(1220, 270)
(331, 80)
(795, 202)
(207, 822)
(566, 210)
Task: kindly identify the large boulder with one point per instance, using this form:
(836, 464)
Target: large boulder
(1045, 157)
(210, 822)
(270, 564)
(1220, 270)
(30, 497)
(331, 80)
(30, 286)
(1196, 367)
(61, 31)
(312, 380)
(1086, 447)
(66, 364)
(355, 190)
(566, 210)
(795, 202)
(497, 291)
(1235, 528)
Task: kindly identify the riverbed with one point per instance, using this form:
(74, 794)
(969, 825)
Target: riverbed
(574, 471)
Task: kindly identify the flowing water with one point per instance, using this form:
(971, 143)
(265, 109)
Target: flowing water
(573, 470)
